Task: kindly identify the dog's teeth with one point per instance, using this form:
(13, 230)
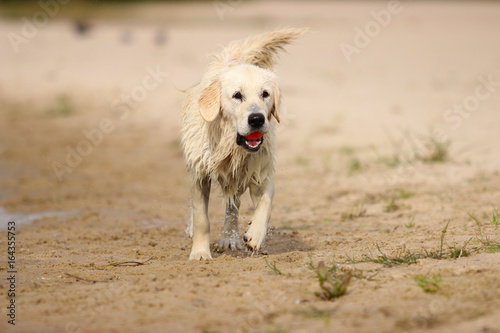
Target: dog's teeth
(252, 146)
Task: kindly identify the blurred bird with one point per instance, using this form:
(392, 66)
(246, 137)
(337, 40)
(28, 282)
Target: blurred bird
(126, 36)
(82, 27)
(160, 37)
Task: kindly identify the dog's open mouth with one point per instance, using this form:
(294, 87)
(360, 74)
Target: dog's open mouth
(251, 142)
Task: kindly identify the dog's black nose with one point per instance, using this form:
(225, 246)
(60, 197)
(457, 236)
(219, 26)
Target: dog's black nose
(256, 120)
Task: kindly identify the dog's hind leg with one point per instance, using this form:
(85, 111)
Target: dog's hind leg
(200, 193)
(262, 197)
(230, 235)
(189, 229)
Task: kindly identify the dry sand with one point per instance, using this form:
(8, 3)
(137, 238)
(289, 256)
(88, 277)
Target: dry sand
(353, 172)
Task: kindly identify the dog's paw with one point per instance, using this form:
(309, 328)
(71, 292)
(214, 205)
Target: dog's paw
(200, 255)
(254, 237)
(232, 242)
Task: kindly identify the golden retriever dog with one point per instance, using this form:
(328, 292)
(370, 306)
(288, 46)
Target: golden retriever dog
(228, 136)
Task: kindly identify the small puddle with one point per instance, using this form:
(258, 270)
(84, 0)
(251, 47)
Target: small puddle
(22, 219)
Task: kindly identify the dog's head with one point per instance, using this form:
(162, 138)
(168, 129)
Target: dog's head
(247, 96)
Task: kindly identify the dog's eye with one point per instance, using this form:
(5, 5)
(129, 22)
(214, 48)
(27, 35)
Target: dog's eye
(237, 95)
(265, 94)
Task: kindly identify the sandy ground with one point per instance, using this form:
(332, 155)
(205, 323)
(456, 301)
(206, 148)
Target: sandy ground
(357, 171)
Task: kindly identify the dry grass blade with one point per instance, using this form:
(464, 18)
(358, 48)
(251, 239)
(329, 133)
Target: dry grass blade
(443, 233)
(487, 245)
(85, 279)
(275, 269)
(130, 263)
(354, 212)
(429, 284)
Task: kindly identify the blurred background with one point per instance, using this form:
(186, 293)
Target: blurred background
(395, 80)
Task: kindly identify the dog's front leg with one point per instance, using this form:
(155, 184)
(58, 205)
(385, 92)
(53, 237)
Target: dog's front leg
(230, 235)
(262, 197)
(200, 193)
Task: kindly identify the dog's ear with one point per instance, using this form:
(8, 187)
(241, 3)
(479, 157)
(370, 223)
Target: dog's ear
(275, 111)
(209, 101)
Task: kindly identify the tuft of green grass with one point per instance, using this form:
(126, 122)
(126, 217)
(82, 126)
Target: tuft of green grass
(410, 223)
(417, 321)
(392, 206)
(407, 151)
(404, 194)
(275, 329)
(347, 150)
(62, 107)
(354, 165)
(409, 258)
(358, 210)
(351, 260)
(492, 248)
(429, 284)
(439, 254)
(406, 258)
(311, 263)
(391, 161)
(495, 218)
(487, 244)
(443, 233)
(314, 312)
(431, 150)
(460, 251)
(397, 157)
(275, 269)
(332, 286)
(301, 161)
(438, 151)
